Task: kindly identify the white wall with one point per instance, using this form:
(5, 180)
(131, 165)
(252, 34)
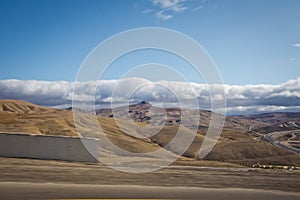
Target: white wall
(48, 147)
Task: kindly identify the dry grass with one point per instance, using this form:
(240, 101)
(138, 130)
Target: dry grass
(233, 145)
(205, 163)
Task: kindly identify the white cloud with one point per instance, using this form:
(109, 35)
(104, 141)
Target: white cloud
(261, 109)
(240, 98)
(171, 5)
(161, 15)
(166, 9)
(296, 45)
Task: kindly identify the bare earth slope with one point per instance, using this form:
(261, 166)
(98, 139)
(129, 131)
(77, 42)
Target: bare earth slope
(21, 116)
(21, 107)
(240, 142)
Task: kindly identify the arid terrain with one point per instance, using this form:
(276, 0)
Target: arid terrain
(229, 171)
(42, 179)
(242, 140)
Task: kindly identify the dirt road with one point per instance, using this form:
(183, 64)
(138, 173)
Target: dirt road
(82, 180)
(83, 191)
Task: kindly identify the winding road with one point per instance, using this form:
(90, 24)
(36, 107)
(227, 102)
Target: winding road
(272, 138)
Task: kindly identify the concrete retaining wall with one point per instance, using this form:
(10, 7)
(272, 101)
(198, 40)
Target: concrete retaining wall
(48, 147)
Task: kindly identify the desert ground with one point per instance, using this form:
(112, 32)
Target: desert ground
(242, 139)
(45, 179)
(227, 172)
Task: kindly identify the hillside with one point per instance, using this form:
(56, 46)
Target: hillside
(238, 142)
(146, 113)
(269, 122)
(21, 107)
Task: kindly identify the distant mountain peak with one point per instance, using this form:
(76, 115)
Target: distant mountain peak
(144, 103)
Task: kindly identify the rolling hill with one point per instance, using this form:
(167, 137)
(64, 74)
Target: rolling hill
(241, 140)
(21, 107)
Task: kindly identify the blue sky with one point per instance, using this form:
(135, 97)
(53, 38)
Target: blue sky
(255, 44)
(252, 42)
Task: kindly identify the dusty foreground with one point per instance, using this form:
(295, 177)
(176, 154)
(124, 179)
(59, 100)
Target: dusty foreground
(37, 179)
(84, 191)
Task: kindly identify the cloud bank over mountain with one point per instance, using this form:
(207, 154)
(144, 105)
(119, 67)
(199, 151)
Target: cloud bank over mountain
(241, 99)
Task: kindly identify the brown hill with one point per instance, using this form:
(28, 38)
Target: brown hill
(146, 113)
(236, 143)
(24, 117)
(21, 107)
(241, 137)
(270, 122)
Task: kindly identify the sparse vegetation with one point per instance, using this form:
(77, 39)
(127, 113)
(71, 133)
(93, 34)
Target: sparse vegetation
(236, 144)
